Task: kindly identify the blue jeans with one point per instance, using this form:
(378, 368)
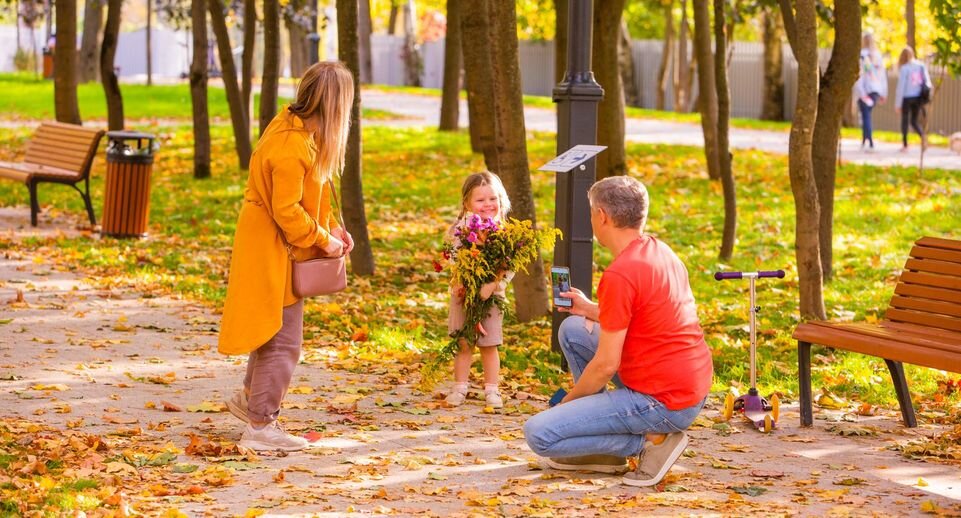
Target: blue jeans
(610, 422)
(866, 128)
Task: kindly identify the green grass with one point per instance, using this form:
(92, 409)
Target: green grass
(537, 101)
(23, 94)
(411, 184)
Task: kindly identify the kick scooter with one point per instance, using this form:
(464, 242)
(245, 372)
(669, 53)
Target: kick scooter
(761, 412)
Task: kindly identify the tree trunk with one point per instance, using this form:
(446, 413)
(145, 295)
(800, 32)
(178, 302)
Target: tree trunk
(247, 58)
(833, 99)
(610, 111)
(909, 24)
(664, 71)
(723, 121)
(351, 185)
(111, 87)
(625, 61)
(412, 58)
(684, 68)
(560, 39)
(802, 33)
(65, 64)
(510, 149)
(773, 108)
(707, 93)
(298, 39)
(198, 89)
(89, 59)
(269, 79)
(392, 18)
(238, 116)
(149, 42)
(478, 74)
(450, 98)
(364, 31)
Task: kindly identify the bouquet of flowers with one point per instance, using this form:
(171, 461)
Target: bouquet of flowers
(481, 251)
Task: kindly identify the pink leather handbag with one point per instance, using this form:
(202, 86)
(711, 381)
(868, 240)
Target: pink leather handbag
(321, 276)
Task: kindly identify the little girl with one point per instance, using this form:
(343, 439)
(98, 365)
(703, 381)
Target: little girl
(483, 194)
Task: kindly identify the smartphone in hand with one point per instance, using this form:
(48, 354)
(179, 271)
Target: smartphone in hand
(561, 283)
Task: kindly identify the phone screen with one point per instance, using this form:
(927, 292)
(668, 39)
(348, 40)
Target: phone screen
(560, 283)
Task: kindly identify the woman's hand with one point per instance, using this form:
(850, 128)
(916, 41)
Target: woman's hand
(335, 247)
(342, 234)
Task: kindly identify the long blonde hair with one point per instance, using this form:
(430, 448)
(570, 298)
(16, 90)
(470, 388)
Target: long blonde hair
(907, 55)
(326, 95)
(485, 178)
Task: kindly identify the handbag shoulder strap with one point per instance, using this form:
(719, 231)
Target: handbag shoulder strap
(340, 220)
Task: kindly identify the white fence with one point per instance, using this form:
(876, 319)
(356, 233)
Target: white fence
(746, 78)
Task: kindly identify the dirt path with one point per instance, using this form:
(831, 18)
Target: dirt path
(106, 362)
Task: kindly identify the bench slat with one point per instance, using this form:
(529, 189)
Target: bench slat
(914, 329)
(924, 319)
(66, 163)
(896, 350)
(72, 139)
(933, 266)
(938, 242)
(934, 307)
(923, 252)
(929, 279)
(949, 341)
(930, 293)
(66, 130)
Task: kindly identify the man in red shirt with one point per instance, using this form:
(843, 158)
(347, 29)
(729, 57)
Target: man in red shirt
(643, 334)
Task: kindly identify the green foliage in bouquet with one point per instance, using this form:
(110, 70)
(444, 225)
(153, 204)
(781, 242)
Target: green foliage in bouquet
(482, 251)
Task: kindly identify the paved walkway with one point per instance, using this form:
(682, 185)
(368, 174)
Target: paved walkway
(425, 110)
(143, 374)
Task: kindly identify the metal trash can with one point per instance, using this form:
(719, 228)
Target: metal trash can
(126, 205)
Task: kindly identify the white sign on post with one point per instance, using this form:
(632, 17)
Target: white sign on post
(573, 157)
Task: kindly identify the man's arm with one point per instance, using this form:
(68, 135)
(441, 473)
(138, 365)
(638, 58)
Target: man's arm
(602, 367)
(581, 305)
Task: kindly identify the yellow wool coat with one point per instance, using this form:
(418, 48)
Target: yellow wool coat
(283, 192)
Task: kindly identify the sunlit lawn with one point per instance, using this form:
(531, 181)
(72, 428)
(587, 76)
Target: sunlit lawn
(411, 184)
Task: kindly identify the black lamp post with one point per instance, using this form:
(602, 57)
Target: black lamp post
(577, 97)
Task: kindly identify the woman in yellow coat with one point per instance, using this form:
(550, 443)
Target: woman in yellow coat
(286, 201)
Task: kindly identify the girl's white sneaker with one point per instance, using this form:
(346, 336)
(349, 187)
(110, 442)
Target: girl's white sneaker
(494, 399)
(456, 398)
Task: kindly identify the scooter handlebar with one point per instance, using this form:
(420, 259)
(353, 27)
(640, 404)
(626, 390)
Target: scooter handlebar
(720, 276)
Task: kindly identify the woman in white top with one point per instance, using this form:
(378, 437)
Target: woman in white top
(871, 87)
(913, 78)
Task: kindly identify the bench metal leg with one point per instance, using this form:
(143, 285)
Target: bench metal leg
(34, 203)
(87, 202)
(804, 382)
(904, 396)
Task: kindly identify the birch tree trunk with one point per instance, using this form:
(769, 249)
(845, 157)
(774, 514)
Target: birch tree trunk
(351, 183)
(238, 115)
(450, 96)
(510, 149)
(610, 111)
(108, 49)
(198, 89)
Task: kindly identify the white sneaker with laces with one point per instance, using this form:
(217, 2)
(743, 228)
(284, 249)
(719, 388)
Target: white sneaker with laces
(271, 438)
(494, 399)
(456, 398)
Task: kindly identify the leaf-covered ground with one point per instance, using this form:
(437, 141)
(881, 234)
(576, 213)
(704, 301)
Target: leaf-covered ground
(106, 381)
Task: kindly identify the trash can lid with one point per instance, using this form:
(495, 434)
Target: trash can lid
(128, 135)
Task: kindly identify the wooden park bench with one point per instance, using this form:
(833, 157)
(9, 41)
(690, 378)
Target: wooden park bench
(922, 325)
(57, 153)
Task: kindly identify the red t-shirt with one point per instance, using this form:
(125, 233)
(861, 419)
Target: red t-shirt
(646, 291)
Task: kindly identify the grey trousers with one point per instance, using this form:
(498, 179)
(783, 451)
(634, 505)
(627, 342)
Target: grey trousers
(271, 366)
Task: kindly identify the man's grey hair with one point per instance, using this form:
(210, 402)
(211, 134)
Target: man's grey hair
(623, 199)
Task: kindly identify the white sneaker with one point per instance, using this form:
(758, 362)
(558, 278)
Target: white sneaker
(271, 438)
(456, 398)
(494, 399)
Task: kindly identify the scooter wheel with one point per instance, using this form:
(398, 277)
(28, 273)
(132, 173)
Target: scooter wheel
(768, 424)
(775, 408)
(728, 406)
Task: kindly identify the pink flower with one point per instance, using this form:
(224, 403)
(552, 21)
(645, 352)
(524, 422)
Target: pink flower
(472, 237)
